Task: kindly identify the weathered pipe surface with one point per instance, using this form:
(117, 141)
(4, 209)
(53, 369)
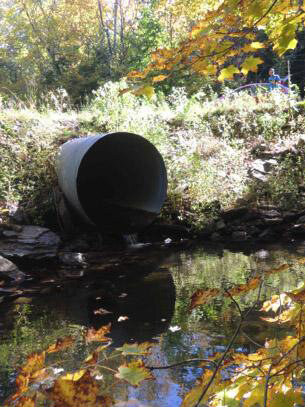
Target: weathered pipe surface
(116, 182)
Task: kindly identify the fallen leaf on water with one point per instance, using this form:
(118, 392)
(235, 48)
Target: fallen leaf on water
(35, 362)
(60, 344)
(81, 392)
(25, 402)
(134, 372)
(93, 335)
(122, 318)
(101, 311)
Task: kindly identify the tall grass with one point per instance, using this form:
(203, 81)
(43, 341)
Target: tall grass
(206, 142)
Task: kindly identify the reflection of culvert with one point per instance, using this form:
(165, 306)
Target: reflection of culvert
(147, 301)
(116, 181)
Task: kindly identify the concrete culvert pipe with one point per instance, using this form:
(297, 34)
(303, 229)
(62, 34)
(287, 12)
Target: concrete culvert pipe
(116, 182)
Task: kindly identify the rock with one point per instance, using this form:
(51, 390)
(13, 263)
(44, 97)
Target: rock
(220, 225)
(73, 259)
(253, 230)
(273, 221)
(240, 236)
(267, 235)
(259, 175)
(251, 215)
(271, 213)
(10, 270)
(263, 166)
(301, 219)
(216, 237)
(289, 216)
(30, 242)
(234, 213)
(260, 169)
(297, 230)
(262, 254)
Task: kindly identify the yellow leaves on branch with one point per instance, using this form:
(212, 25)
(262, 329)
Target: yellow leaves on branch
(228, 73)
(224, 30)
(250, 64)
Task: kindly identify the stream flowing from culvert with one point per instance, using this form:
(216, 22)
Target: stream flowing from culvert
(145, 294)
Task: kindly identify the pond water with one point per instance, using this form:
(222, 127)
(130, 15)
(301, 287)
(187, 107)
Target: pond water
(146, 297)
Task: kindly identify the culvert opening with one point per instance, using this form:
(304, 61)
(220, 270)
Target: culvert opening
(121, 182)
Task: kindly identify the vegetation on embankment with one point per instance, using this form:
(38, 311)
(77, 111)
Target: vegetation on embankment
(209, 145)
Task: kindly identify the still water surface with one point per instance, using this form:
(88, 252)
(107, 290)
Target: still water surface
(153, 290)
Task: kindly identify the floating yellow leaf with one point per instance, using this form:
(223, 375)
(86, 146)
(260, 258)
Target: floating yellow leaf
(61, 344)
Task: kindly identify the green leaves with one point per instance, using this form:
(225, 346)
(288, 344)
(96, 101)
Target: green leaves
(250, 64)
(135, 349)
(228, 73)
(134, 372)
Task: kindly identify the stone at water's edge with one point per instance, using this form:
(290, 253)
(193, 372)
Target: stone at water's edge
(30, 242)
(9, 269)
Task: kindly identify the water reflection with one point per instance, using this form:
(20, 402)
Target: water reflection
(144, 298)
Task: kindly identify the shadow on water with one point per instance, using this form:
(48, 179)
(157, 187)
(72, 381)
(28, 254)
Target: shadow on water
(137, 298)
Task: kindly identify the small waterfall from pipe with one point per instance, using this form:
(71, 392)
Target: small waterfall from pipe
(131, 239)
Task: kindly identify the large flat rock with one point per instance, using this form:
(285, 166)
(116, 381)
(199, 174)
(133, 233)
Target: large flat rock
(29, 242)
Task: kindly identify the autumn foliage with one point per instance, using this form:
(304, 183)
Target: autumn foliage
(269, 376)
(223, 39)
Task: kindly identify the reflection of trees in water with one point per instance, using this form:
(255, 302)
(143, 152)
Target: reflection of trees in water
(223, 269)
(143, 292)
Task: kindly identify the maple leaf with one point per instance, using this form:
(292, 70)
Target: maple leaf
(250, 64)
(255, 396)
(60, 344)
(228, 73)
(77, 390)
(93, 335)
(135, 349)
(134, 372)
(35, 362)
(192, 397)
(25, 402)
(288, 399)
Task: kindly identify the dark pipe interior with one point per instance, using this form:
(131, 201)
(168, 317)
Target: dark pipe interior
(121, 182)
